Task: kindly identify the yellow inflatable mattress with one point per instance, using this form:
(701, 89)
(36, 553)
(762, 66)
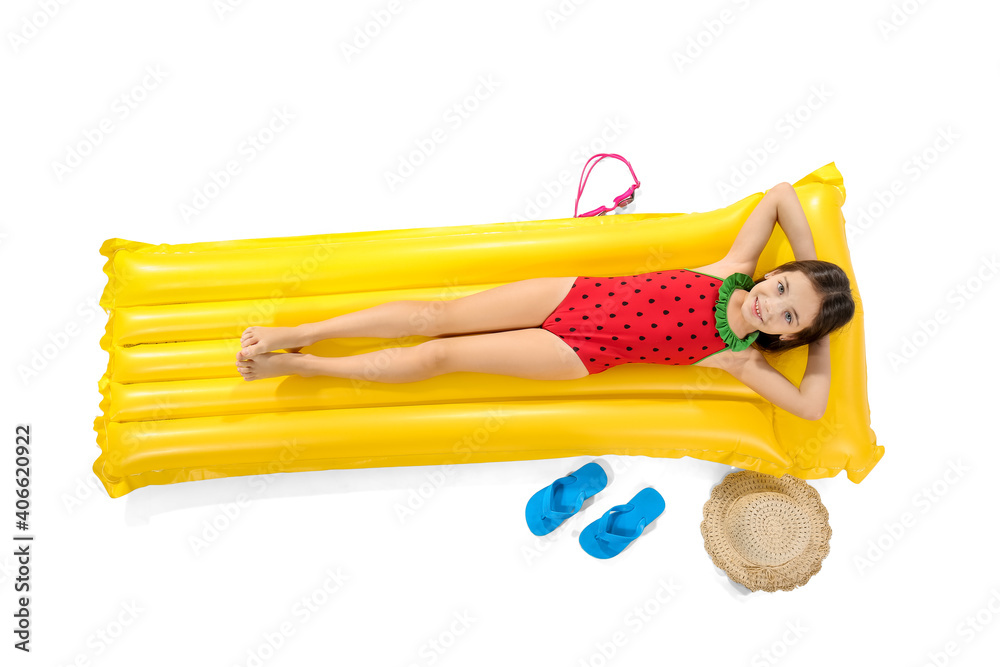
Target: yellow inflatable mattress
(174, 408)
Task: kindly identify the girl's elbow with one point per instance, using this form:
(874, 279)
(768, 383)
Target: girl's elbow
(814, 413)
(782, 188)
(803, 410)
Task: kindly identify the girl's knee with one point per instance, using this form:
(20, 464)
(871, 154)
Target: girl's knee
(431, 356)
(406, 364)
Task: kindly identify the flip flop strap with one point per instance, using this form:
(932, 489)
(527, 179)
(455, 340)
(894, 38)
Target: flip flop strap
(611, 538)
(548, 497)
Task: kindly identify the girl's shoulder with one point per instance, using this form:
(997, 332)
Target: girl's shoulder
(723, 270)
(730, 360)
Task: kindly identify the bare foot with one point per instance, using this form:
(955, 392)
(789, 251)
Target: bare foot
(269, 365)
(258, 340)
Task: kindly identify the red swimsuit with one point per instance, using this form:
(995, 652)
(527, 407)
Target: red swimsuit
(663, 317)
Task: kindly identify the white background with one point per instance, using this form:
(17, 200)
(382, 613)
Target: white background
(794, 84)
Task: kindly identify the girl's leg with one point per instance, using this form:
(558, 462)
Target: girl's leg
(517, 305)
(534, 354)
(379, 321)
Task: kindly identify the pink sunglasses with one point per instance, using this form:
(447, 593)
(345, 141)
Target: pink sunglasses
(620, 202)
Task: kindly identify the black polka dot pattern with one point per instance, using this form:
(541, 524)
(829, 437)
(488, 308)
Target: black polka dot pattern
(662, 317)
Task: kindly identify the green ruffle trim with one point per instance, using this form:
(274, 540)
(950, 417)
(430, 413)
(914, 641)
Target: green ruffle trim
(733, 282)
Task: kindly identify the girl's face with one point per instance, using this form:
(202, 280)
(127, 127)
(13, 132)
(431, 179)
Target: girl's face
(787, 303)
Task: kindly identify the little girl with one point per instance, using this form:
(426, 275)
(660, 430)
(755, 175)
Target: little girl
(570, 327)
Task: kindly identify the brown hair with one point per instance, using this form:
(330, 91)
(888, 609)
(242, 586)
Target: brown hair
(836, 306)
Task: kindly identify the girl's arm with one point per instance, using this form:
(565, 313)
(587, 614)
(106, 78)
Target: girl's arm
(816, 380)
(780, 204)
(808, 400)
(793, 222)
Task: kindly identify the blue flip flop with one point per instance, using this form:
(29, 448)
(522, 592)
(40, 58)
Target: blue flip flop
(620, 525)
(561, 499)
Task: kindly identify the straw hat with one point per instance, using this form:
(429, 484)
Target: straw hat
(767, 533)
